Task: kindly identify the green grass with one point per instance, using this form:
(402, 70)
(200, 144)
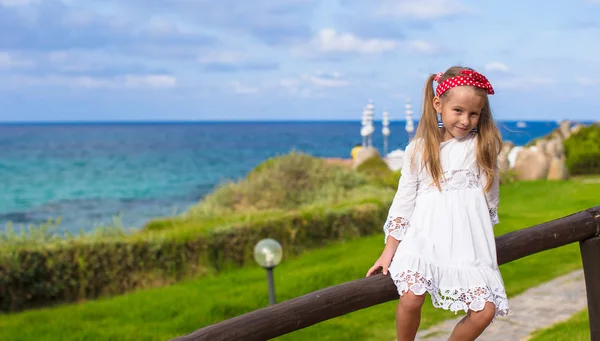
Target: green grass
(577, 328)
(163, 313)
(21, 236)
(190, 226)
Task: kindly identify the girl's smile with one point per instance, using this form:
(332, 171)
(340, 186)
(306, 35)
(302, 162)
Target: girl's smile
(460, 109)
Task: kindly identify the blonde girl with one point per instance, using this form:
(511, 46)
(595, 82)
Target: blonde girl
(439, 236)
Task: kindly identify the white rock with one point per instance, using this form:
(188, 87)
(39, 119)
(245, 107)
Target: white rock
(512, 155)
(395, 159)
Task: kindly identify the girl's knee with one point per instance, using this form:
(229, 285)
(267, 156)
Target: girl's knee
(484, 316)
(411, 302)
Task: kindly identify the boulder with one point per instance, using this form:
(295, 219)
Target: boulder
(506, 147)
(395, 159)
(503, 162)
(557, 169)
(364, 154)
(555, 148)
(541, 144)
(576, 128)
(513, 155)
(565, 129)
(531, 164)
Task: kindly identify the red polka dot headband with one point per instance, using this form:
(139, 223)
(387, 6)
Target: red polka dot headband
(472, 78)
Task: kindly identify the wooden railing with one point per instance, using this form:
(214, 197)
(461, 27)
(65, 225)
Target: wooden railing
(312, 308)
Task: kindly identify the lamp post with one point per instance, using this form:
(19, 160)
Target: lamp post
(409, 122)
(385, 131)
(267, 254)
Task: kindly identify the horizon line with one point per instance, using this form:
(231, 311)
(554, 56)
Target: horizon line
(59, 122)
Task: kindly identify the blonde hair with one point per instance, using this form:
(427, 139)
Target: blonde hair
(489, 140)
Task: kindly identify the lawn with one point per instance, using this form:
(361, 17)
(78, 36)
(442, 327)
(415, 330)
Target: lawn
(164, 313)
(577, 328)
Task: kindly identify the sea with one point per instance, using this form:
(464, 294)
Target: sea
(92, 174)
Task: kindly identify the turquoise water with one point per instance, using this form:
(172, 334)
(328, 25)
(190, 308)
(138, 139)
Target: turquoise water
(89, 173)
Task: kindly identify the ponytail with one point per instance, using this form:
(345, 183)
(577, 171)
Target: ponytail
(428, 135)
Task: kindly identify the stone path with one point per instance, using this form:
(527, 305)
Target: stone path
(538, 307)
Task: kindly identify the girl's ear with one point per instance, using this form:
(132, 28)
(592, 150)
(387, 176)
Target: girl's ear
(437, 105)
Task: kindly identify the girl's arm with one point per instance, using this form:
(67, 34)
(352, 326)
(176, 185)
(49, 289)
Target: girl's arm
(493, 198)
(398, 219)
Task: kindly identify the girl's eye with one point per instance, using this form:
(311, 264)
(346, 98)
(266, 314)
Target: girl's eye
(457, 110)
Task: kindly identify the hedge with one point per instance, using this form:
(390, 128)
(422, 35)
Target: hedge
(87, 270)
(582, 151)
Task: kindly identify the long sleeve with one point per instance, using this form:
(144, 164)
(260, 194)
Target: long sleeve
(398, 219)
(492, 197)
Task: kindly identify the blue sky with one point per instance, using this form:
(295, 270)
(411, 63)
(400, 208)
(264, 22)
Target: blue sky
(289, 59)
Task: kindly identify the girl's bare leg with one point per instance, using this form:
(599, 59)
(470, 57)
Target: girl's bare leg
(408, 316)
(472, 325)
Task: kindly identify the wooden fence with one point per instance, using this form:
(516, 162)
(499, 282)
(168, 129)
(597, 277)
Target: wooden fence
(312, 308)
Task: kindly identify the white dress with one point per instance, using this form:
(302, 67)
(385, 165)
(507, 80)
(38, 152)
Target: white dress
(447, 243)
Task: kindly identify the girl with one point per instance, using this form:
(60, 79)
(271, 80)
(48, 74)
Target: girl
(445, 209)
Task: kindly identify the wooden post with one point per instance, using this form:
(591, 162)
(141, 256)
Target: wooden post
(590, 254)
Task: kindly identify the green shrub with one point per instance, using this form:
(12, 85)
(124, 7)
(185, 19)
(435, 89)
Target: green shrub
(379, 173)
(508, 176)
(78, 269)
(284, 182)
(582, 151)
(38, 277)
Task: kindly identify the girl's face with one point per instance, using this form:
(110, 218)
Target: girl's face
(460, 111)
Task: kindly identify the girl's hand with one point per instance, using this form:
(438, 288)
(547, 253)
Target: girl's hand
(382, 264)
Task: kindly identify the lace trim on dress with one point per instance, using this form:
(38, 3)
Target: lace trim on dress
(494, 215)
(453, 180)
(396, 227)
(453, 299)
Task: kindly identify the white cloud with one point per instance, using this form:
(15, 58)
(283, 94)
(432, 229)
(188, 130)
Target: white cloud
(526, 83)
(96, 63)
(289, 82)
(7, 61)
(496, 66)
(78, 18)
(326, 82)
(15, 3)
(586, 81)
(239, 88)
(423, 47)
(89, 82)
(313, 85)
(225, 57)
(321, 79)
(160, 26)
(296, 87)
(421, 9)
(152, 81)
(229, 61)
(58, 56)
(330, 41)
